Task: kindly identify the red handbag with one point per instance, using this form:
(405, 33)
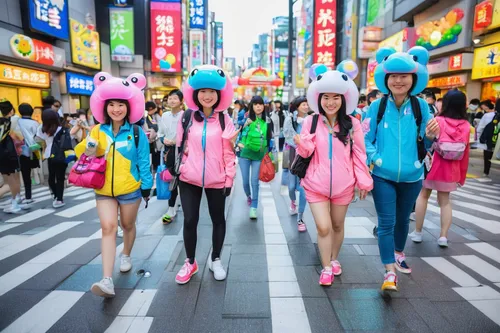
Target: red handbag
(267, 171)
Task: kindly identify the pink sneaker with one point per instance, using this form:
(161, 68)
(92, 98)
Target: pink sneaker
(293, 208)
(326, 277)
(336, 268)
(249, 201)
(401, 264)
(186, 273)
(301, 226)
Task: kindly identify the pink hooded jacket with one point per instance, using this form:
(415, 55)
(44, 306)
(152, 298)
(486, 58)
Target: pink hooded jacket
(213, 167)
(332, 177)
(452, 130)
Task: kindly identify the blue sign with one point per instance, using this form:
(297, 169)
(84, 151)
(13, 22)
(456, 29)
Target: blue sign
(198, 14)
(79, 84)
(49, 17)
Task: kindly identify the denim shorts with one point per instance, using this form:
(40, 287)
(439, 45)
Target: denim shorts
(123, 199)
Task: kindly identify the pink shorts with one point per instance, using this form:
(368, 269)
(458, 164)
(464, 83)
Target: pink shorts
(342, 199)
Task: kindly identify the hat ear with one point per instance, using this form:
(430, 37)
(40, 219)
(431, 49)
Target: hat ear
(101, 77)
(383, 53)
(137, 80)
(420, 54)
(348, 67)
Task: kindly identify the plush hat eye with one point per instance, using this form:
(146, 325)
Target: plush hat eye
(319, 77)
(134, 80)
(344, 77)
(125, 83)
(385, 58)
(415, 58)
(193, 73)
(102, 78)
(221, 73)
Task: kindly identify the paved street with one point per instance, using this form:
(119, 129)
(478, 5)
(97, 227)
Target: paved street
(49, 259)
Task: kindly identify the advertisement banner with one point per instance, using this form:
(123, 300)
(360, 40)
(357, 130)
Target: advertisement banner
(198, 14)
(85, 45)
(486, 62)
(24, 76)
(219, 46)
(375, 8)
(396, 41)
(196, 43)
(487, 15)
(325, 27)
(370, 75)
(166, 37)
(308, 18)
(78, 84)
(281, 39)
(121, 39)
(26, 48)
(300, 81)
(448, 81)
(49, 17)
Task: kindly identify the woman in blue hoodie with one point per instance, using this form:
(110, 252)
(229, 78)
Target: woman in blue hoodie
(399, 129)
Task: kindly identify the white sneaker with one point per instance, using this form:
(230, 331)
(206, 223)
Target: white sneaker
(412, 216)
(443, 242)
(293, 208)
(23, 203)
(416, 236)
(125, 263)
(104, 288)
(172, 212)
(216, 267)
(58, 204)
(13, 209)
(284, 190)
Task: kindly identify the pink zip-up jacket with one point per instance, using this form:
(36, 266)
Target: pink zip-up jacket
(331, 177)
(214, 166)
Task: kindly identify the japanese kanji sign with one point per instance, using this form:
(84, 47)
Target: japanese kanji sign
(30, 49)
(24, 76)
(483, 15)
(121, 21)
(198, 14)
(85, 45)
(78, 84)
(166, 37)
(455, 62)
(325, 27)
(49, 17)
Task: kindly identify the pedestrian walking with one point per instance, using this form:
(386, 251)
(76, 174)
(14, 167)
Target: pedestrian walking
(487, 124)
(400, 129)
(333, 139)
(205, 136)
(117, 104)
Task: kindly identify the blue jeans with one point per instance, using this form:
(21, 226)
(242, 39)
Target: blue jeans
(394, 203)
(245, 165)
(294, 185)
(284, 177)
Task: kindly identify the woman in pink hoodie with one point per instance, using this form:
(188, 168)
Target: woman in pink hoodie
(208, 161)
(338, 162)
(449, 163)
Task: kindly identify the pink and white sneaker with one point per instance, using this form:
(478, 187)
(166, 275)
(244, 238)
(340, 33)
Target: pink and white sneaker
(401, 264)
(301, 226)
(249, 201)
(186, 273)
(336, 268)
(326, 277)
(293, 208)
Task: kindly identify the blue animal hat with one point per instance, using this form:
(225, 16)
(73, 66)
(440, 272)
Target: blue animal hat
(392, 62)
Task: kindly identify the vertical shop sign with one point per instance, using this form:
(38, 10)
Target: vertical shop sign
(196, 42)
(198, 14)
(483, 15)
(370, 75)
(166, 40)
(324, 32)
(85, 45)
(49, 17)
(121, 34)
(219, 46)
(455, 62)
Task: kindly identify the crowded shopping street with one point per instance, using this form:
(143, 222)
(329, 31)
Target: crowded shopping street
(285, 166)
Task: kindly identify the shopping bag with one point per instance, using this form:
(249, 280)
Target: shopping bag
(266, 173)
(162, 187)
(88, 172)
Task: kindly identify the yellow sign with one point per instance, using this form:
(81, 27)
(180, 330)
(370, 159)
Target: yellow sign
(24, 76)
(85, 45)
(486, 62)
(495, 19)
(395, 41)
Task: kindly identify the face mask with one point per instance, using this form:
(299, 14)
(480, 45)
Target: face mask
(473, 107)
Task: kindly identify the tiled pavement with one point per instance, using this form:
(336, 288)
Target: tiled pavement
(273, 271)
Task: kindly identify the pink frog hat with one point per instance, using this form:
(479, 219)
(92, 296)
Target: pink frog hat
(209, 77)
(339, 82)
(108, 87)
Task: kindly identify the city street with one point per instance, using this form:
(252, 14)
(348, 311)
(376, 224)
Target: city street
(49, 259)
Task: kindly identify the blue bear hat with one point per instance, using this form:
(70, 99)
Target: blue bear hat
(392, 62)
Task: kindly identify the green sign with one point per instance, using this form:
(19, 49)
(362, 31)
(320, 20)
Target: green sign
(374, 9)
(121, 21)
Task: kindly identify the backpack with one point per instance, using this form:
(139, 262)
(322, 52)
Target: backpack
(300, 164)
(60, 145)
(448, 148)
(490, 133)
(417, 113)
(255, 138)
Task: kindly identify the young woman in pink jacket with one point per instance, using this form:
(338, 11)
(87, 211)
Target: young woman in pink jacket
(208, 162)
(338, 163)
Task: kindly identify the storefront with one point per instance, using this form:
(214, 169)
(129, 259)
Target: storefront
(79, 87)
(160, 85)
(453, 71)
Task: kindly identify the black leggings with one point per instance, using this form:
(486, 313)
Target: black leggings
(173, 197)
(487, 156)
(57, 174)
(25, 163)
(190, 199)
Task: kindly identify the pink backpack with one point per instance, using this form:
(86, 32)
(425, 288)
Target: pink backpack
(88, 172)
(449, 148)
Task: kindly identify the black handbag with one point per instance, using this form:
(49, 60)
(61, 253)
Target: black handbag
(300, 164)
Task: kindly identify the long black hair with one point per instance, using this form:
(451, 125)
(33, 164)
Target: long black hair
(454, 105)
(345, 122)
(107, 119)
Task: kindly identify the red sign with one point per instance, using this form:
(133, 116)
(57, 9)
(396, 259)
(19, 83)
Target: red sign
(31, 49)
(483, 15)
(325, 28)
(455, 62)
(166, 37)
